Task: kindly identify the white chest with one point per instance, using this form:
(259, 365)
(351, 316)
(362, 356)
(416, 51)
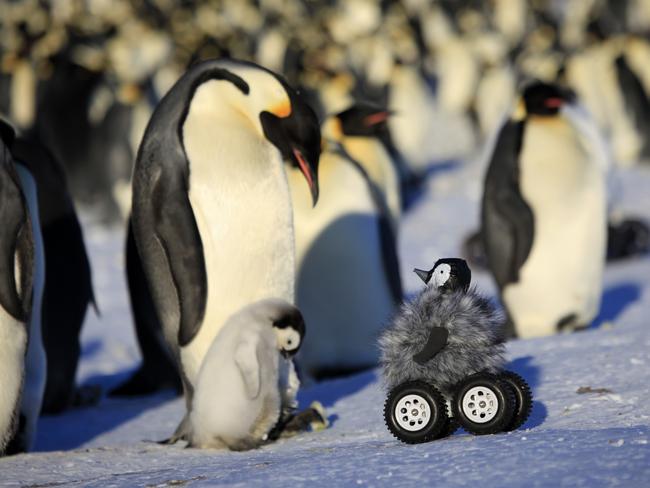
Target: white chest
(241, 203)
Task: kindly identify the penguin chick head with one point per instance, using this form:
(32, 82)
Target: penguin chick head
(448, 274)
(546, 99)
(293, 128)
(364, 120)
(287, 322)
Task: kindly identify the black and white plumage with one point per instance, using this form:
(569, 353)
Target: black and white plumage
(444, 335)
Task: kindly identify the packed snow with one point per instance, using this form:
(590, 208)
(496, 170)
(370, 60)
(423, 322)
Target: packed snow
(590, 424)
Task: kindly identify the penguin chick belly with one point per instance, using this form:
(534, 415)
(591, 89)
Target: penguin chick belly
(13, 344)
(223, 412)
(565, 190)
(239, 196)
(341, 287)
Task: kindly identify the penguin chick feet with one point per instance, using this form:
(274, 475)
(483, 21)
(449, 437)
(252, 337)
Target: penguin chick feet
(311, 419)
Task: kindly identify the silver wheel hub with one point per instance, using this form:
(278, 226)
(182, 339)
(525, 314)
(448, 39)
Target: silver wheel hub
(480, 404)
(412, 413)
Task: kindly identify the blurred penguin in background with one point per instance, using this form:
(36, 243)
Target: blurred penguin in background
(348, 281)
(544, 214)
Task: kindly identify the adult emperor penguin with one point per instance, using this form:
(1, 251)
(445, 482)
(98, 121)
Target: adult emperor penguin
(22, 275)
(247, 384)
(212, 216)
(345, 251)
(544, 214)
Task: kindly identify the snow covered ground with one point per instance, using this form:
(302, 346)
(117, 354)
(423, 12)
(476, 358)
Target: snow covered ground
(597, 438)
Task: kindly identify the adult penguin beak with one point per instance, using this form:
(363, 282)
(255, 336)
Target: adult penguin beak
(377, 117)
(424, 275)
(310, 172)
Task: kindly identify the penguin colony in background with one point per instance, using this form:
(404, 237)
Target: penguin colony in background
(94, 86)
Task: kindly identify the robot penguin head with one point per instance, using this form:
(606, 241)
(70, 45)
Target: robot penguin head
(448, 274)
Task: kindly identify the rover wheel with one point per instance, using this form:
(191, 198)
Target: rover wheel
(523, 399)
(415, 412)
(484, 404)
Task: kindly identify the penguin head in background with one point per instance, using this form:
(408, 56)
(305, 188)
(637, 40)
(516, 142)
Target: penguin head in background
(364, 120)
(293, 128)
(448, 274)
(287, 322)
(546, 99)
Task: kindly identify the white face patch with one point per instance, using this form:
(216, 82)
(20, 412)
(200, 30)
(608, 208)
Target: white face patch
(441, 274)
(288, 339)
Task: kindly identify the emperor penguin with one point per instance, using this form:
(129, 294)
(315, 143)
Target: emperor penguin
(211, 215)
(22, 275)
(68, 286)
(544, 214)
(348, 282)
(247, 384)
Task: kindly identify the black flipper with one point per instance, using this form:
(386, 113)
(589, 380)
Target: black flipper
(387, 238)
(435, 343)
(16, 237)
(508, 221)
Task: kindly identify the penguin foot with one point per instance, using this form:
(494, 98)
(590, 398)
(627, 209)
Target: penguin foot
(312, 419)
(629, 238)
(87, 396)
(145, 382)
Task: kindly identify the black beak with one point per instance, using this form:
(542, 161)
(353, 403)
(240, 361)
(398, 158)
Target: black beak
(424, 275)
(286, 354)
(310, 172)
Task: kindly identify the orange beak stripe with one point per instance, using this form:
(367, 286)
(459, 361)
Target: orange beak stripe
(554, 102)
(304, 167)
(375, 118)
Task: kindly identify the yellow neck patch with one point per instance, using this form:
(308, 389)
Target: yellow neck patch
(282, 110)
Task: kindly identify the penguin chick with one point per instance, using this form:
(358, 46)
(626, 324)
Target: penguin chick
(447, 333)
(247, 383)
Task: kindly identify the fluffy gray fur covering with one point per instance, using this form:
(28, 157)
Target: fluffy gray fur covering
(474, 343)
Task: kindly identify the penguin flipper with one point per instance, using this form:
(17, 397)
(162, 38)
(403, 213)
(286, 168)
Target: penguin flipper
(175, 229)
(247, 360)
(15, 238)
(508, 221)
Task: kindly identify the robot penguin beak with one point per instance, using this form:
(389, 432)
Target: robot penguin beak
(424, 275)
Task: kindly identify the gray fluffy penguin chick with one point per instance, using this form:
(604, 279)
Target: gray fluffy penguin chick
(445, 334)
(247, 383)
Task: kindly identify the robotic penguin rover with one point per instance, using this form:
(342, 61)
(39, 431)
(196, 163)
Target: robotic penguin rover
(442, 362)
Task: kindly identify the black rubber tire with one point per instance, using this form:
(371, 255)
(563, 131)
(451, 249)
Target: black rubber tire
(438, 419)
(523, 399)
(505, 399)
